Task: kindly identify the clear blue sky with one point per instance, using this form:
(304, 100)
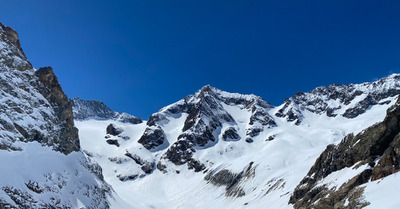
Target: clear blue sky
(138, 56)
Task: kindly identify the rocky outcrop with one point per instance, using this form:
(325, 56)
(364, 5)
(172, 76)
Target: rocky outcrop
(152, 137)
(93, 109)
(231, 180)
(68, 138)
(230, 134)
(376, 147)
(112, 130)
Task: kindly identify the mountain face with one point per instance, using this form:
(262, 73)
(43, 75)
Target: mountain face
(42, 165)
(207, 116)
(85, 110)
(219, 149)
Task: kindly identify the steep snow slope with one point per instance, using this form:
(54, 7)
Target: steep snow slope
(218, 149)
(40, 159)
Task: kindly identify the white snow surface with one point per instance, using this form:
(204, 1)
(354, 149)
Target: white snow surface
(382, 193)
(57, 179)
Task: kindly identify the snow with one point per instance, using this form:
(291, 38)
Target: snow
(382, 193)
(338, 178)
(60, 177)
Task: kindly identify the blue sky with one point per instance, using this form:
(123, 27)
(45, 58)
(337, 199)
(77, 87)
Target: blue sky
(138, 56)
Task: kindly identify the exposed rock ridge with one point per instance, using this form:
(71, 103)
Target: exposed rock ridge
(346, 100)
(376, 147)
(93, 109)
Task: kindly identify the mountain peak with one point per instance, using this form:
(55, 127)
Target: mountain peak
(11, 53)
(207, 90)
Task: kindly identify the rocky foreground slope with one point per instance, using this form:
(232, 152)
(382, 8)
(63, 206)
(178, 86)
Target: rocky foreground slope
(219, 149)
(41, 162)
(373, 154)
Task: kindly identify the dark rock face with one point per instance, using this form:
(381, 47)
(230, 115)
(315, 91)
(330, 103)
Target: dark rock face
(127, 177)
(379, 142)
(180, 152)
(231, 180)
(230, 134)
(113, 142)
(112, 130)
(87, 109)
(148, 167)
(249, 140)
(152, 137)
(372, 99)
(135, 158)
(52, 91)
(270, 138)
(291, 111)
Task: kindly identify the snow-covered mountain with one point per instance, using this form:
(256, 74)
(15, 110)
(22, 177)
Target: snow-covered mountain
(333, 147)
(229, 150)
(40, 159)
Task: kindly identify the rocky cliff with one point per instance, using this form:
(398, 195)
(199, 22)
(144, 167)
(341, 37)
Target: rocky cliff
(39, 145)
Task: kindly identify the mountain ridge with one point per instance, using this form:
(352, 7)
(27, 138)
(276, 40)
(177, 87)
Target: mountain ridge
(95, 109)
(234, 143)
